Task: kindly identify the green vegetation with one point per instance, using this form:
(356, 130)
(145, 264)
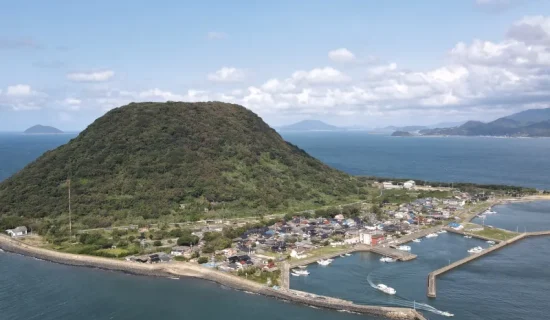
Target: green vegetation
(202, 260)
(259, 275)
(169, 162)
(494, 233)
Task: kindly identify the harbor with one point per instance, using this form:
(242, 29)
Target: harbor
(432, 277)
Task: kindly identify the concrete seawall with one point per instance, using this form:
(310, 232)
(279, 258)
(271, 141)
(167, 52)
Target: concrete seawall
(432, 276)
(196, 271)
(473, 235)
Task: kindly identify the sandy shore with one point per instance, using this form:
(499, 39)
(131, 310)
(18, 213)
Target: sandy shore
(182, 269)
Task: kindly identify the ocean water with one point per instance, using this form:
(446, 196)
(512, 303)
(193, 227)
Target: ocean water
(511, 283)
(34, 289)
(520, 217)
(521, 162)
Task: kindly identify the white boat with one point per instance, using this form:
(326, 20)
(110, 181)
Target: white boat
(302, 267)
(324, 262)
(442, 231)
(347, 254)
(491, 242)
(297, 275)
(431, 235)
(475, 250)
(300, 272)
(489, 211)
(342, 256)
(468, 237)
(386, 259)
(417, 240)
(384, 288)
(447, 314)
(404, 248)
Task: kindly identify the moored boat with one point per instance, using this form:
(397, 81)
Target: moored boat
(404, 248)
(324, 262)
(417, 240)
(300, 272)
(386, 259)
(475, 250)
(431, 235)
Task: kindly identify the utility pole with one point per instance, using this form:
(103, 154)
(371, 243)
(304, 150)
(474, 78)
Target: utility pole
(70, 221)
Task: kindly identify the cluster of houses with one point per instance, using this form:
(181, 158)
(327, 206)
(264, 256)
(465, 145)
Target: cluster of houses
(409, 185)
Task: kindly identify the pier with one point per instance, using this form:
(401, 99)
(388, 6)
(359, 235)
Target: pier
(416, 235)
(393, 253)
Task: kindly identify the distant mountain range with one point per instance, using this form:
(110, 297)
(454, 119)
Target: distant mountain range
(40, 129)
(390, 129)
(528, 123)
(310, 125)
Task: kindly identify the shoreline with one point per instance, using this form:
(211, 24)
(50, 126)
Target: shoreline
(181, 269)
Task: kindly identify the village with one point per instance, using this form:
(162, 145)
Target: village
(256, 250)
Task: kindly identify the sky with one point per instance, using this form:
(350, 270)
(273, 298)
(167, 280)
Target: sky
(349, 63)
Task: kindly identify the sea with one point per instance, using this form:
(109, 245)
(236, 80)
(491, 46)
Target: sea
(512, 283)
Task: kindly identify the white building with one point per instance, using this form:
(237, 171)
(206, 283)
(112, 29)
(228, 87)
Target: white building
(365, 238)
(389, 185)
(298, 255)
(17, 232)
(409, 184)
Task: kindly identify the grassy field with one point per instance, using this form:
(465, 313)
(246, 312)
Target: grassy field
(494, 233)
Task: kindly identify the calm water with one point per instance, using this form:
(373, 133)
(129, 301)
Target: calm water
(522, 162)
(529, 216)
(509, 284)
(34, 289)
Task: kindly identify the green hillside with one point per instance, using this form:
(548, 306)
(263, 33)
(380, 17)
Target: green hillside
(172, 161)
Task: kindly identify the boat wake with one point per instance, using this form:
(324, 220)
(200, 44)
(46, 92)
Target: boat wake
(404, 302)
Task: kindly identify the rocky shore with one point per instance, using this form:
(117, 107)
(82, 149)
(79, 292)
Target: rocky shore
(196, 271)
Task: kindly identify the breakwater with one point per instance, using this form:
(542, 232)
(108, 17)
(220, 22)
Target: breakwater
(432, 277)
(473, 235)
(196, 271)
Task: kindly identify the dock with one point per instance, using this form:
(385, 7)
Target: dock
(393, 253)
(416, 235)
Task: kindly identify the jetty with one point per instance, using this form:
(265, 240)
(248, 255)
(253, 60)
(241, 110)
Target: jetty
(473, 235)
(432, 277)
(419, 234)
(184, 269)
(393, 253)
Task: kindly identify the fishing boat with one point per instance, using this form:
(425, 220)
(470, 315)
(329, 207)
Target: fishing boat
(324, 262)
(300, 272)
(475, 250)
(468, 237)
(384, 288)
(302, 267)
(342, 256)
(491, 242)
(489, 211)
(417, 240)
(404, 248)
(431, 235)
(447, 314)
(386, 259)
(442, 231)
(348, 254)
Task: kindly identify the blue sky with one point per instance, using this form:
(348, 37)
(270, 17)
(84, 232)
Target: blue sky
(363, 63)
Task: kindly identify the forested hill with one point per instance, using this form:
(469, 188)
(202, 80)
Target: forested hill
(176, 160)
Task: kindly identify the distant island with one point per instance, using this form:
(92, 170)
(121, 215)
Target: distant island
(415, 128)
(310, 125)
(528, 123)
(40, 129)
(401, 134)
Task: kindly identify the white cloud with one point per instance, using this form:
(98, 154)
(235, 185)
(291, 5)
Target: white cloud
(341, 55)
(227, 74)
(326, 75)
(274, 85)
(215, 35)
(96, 76)
(19, 90)
(73, 101)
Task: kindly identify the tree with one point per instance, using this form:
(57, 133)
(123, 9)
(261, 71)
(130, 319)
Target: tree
(202, 260)
(187, 239)
(157, 243)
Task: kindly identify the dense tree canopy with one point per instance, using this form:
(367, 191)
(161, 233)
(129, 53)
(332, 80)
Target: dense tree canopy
(149, 160)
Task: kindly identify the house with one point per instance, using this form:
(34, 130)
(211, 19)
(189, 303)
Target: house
(365, 238)
(297, 255)
(389, 185)
(179, 250)
(409, 184)
(376, 239)
(17, 232)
